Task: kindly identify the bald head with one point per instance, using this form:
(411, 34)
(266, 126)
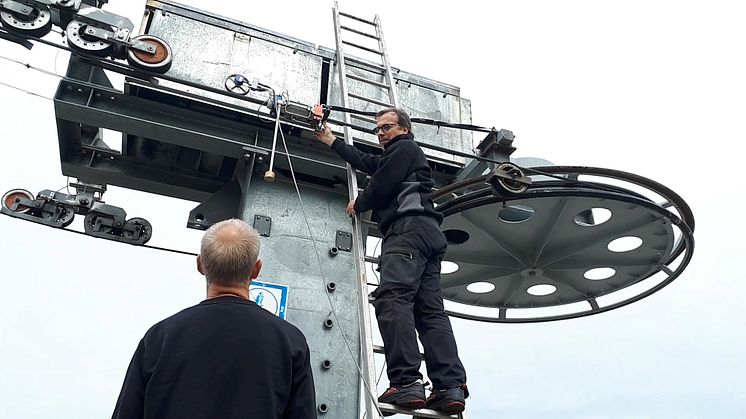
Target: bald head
(229, 251)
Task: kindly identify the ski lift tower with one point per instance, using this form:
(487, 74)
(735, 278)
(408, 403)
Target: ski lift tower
(222, 112)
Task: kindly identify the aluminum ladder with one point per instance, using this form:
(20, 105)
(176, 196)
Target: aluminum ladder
(381, 78)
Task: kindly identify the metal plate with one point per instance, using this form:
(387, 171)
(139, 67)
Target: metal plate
(545, 242)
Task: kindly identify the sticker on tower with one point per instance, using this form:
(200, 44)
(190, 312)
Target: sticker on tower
(271, 297)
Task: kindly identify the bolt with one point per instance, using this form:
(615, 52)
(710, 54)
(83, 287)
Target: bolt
(84, 201)
(247, 156)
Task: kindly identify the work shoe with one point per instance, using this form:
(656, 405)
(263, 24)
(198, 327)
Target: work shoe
(409, 396)
(450, 401)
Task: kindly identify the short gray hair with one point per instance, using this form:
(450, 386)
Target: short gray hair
(229, 251)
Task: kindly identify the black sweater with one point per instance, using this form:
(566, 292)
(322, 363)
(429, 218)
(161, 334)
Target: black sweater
(223, 358)
(401, 181)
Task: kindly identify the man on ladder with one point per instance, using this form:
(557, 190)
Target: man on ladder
(409, 297)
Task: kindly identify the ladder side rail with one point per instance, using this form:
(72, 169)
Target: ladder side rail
(366, 338)
(393, 96)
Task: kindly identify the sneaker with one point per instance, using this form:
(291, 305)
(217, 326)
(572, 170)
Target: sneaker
(409, 396)
(450, 401)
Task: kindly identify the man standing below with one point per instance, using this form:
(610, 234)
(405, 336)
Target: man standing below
(409, 296)
(226, 357)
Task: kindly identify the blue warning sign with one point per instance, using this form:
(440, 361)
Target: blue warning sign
(271, 297)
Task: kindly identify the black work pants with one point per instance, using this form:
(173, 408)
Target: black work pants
(409, 298)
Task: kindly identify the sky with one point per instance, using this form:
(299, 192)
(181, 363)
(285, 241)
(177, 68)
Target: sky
(656, 88)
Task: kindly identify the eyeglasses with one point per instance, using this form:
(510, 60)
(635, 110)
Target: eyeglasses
(384, 128)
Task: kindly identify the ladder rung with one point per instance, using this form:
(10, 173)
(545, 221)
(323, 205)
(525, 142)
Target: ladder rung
(364, 118)
(364, 48)
(367, 99)
(367, 80)
(419, 413)
(369, 223)
(380, 350)
(347, 28)
(359, 19)
(365, 65)
(372, 259)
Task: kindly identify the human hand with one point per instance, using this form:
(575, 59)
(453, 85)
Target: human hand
(325, 136)
(351, 208)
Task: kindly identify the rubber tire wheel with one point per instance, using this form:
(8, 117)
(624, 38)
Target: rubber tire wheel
(147, 229)
(90, 222)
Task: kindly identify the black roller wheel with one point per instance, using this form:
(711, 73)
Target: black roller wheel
(36, 24)
(98, 222)
(58, 213)
(158, 60)
(146, 230)
(505, 180)
(80, 40)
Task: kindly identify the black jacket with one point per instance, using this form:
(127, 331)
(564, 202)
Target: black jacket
(223, 358)
(401, 181)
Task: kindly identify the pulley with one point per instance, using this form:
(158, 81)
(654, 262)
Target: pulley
(508, 179)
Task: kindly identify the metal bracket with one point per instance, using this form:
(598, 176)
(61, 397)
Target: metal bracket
(17, 7)
(220, 206)
(263, 225)
(343, 241)
(497, 145)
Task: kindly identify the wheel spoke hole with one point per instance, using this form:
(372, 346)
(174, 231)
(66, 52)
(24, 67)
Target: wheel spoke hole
(455, 236)
(515, 214)
(447, 267)
(592, 217)
(624, 244)
(541, 290)
(480, 287)
(598, 274)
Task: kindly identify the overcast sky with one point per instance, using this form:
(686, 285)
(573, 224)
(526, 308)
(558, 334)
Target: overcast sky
(650, 87)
